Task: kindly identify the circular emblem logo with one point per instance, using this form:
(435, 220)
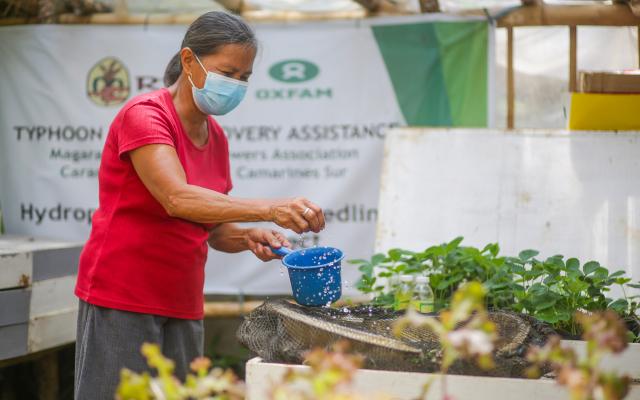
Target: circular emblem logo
(108, 82)
(294, 71)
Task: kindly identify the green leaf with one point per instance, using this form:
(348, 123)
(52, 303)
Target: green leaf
(590, 267)
(518, 269)
(453, 244)
(367, 269)
(528, 254)
(573, 264)
(617, 274)
(518, 288)
(601, 273)
(365, 284)
(594, 291)
(575, 274)
(378, 258)
(620, 306)
(395, 254)
(544, 301)
(538, 287)
(552, 268)
(563, 315)
(443, 284)
(492, 248)
(492, 285)
(548, 315)
(400, 268)
(385, 300)
(434, 251)
(555, 261)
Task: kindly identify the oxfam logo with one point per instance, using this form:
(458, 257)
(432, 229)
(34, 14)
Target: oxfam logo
(294, 71)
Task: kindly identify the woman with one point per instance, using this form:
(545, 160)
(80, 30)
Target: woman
(164, 183)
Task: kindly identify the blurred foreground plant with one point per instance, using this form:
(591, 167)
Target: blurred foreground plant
(207, 383)
(605, 334)
(464, 331)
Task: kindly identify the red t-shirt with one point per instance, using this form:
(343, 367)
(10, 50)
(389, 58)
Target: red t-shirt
(138, 258)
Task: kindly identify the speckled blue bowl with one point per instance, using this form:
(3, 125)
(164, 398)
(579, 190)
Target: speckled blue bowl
(314, 274)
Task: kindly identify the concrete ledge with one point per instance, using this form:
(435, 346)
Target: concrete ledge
(52, 330)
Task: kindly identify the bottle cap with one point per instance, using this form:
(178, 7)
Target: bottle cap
(421, 279)
(406, 278)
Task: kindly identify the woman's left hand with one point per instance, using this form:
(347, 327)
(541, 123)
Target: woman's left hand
(259, 241)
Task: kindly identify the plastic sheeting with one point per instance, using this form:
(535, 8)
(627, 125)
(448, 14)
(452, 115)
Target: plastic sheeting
(541, 62)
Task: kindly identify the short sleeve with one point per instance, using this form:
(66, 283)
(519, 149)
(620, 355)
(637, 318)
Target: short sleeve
(142, 124)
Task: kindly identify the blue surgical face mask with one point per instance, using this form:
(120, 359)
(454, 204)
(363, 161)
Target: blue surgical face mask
(219, 95)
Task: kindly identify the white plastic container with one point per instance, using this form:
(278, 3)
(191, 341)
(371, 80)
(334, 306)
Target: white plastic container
(261, 378)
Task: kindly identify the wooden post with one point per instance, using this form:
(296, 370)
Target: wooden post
(46, 11)
(429, 6)
(121, 8)
(510, 83)
(46, 368)
(573, 58)
(372, 6)
(232, 5)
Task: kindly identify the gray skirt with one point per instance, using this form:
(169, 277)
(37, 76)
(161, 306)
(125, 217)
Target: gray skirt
(109, 340)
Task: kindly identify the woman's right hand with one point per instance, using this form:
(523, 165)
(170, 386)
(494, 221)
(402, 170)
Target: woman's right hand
(298, 214)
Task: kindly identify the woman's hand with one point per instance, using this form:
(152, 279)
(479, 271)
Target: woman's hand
(298, 214)
(259, 240)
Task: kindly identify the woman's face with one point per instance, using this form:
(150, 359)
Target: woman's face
(231, 60)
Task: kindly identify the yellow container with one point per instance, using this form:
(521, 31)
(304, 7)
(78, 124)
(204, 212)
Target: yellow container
(609, 112)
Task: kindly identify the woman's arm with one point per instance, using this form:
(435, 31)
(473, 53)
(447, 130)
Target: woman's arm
(160, 170)
(231, 238)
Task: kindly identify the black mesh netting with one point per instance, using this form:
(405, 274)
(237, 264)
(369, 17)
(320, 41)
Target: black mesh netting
(279, 331)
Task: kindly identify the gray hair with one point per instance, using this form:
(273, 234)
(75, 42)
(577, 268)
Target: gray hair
(206, 35)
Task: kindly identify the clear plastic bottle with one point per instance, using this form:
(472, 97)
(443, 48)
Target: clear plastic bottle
(422, 299)
(404, 293)
(393, 283)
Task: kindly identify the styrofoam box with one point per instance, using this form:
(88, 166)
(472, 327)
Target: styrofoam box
(38, 309)
(627, 362)
(261, 378)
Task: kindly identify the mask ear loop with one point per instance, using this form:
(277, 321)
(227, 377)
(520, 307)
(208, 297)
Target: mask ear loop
(202, 66)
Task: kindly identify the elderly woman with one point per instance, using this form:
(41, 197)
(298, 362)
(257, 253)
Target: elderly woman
(164, 183)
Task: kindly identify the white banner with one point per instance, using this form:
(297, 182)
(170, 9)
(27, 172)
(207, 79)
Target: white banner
(312, 124)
